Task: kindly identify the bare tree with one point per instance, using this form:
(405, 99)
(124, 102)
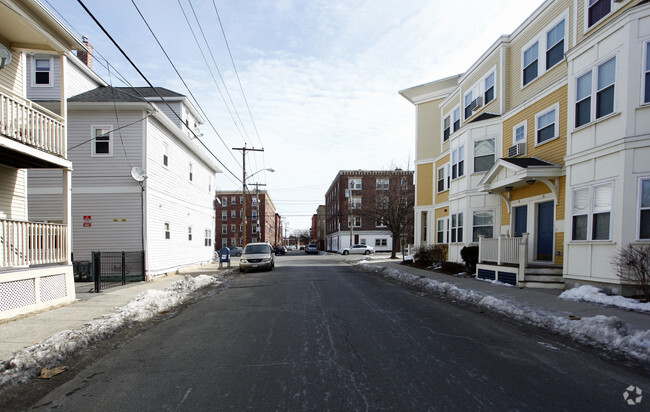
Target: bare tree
(302, 235)
(633, 263)
(391, 206)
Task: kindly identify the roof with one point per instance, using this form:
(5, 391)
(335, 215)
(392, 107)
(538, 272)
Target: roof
(123, 94)
(484, 116)
(528, 161)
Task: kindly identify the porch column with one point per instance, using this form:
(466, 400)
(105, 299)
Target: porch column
(67, 213)
(499, 247)
(523, 257)
(480, 248)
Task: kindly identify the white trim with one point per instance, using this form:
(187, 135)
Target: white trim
(482, 139)
(637, 235)
(542, 48)
(589, 235)
(49, 57)
(594, 92)
(645, 71)
(494, 221)
(588, 28)
(93, 146)
(556, 121)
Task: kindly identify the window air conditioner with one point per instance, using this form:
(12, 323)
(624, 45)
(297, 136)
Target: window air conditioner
(516, 150)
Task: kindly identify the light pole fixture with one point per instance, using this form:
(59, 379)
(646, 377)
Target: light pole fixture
(244, 194)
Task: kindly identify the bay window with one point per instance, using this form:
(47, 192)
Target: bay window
(591, 212)
(482, 224)
(644, 208)
(484, 151)
(590, 105)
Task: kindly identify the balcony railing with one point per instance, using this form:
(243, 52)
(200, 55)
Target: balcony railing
(502, 249)
(30, 243)
(34, 126)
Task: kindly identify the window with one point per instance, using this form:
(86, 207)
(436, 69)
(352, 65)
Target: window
(591, 212)
(381, 242)
(456, 118)
(224, 215)
(488, 95)
(102, 141)
(224, 201)
(224, 229)
(380, 222)
(233, 214)
(588, 105)
(254, 215)
(43, 71)
(382, 202)
(382, 184)
(646, 95)
(190, 170)
(597, 9)
(442, 186)
(165, 154)
(457, 227)
(468, 105)
(241, 200)
(546, 126)
(458, 162)
(233, 200)
(530, 63)
(442, 235)
(241, 213)
(354, 184)
(355, 202)
(224, 242)
(555, 45)
(189, 233)
(447, 128)
(482, 224)
(167, 231)
(233, 228)
(483, 155)
(644, 208)
(354, 221)
(519, 133)
(404, 183)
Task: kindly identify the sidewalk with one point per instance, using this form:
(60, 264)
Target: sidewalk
(539, 300)
(31, 329)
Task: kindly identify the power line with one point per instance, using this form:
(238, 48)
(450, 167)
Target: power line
(148, 82)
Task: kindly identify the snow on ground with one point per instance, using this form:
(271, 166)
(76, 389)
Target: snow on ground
(609, 332)
(28, 363)
(587, 293)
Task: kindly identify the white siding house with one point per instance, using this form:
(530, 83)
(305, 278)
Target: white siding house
(170, 213)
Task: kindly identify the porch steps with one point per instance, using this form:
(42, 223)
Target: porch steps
(543, 277)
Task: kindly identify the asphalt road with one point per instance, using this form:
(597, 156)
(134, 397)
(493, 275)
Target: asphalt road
(316, 334)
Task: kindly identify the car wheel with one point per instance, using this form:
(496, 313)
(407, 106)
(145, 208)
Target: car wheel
(242, 270)
(345, 252)
(367, 252)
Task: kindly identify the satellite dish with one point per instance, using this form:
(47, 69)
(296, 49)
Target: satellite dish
(5, 56)
(138, 174)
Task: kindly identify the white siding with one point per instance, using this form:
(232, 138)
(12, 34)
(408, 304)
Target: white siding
(12, 76)
(13, 196)
(76, 81)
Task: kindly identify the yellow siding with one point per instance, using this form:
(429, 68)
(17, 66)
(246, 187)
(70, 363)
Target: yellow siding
(451, 103)
(11, 76)
(505, 216)
(440, 213)
(517, 94)
(553, 151)
(491, 62)
(424, 184)
(444, 196)
(527, 191)
(559, 247)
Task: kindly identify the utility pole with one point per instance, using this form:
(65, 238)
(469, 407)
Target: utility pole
(244, 150)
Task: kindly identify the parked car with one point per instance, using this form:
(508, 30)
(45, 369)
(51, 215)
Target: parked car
(280, 250)
(357, 249)
(235, 251)
(257, 256)
(311, 249)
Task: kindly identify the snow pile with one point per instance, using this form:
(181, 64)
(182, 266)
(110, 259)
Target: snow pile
(28, 362)
(593, 294)
(609, 332)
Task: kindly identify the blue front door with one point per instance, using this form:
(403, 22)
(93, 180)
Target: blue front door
(545, 231)
(521, 220)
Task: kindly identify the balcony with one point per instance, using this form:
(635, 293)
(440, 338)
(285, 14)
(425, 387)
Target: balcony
(23, 244)
(25, 122)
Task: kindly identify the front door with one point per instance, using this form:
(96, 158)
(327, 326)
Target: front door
(545, 231)
(521, 220)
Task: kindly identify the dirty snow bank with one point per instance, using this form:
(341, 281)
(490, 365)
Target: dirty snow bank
(609, 332)
(27, 363)
(593, 294)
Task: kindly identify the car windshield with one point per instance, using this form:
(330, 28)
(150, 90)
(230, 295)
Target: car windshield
(257, 249)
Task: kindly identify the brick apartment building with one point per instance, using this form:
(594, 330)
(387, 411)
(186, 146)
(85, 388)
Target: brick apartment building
(263, 223)
(318, 225)
(350, 197)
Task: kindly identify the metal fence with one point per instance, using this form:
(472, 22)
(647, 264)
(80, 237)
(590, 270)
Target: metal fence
(110, 269)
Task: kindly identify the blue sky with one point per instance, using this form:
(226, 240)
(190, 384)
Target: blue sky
(320, 77)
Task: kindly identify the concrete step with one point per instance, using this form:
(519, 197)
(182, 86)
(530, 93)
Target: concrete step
(553, 271)
(542, 285)
(533, 277)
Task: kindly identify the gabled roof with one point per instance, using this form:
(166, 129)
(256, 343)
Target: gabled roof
(508, 173)
(484, 116)
(123, 94)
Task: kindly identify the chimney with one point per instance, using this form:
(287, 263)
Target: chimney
(86, 56)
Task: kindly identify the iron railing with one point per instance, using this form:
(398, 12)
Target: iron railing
(32, 125)
(25, 243)
(110, 269)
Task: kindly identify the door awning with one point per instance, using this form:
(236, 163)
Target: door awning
(509, 173)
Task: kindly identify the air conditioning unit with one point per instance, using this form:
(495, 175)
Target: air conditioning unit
(516, 150)
(478, 102)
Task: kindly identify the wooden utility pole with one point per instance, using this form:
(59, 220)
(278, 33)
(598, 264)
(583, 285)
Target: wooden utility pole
(244, 150)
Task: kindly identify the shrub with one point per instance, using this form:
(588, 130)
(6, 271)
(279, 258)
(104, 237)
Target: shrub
(431, 254)
(469, 254)
(453, 267)
(634, 266)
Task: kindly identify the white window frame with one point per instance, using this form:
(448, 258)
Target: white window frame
(191, 172)
(445, 230)
(355, 183)
(445, 180)
(93, 146)
(468, 96)
(382, 184)
(458, 159)
(381, 242)
(233, 228)
(475, 226)
(456, 111)
(207, 237)
(354, 220)
(233, 214)
(446, 118)
(167, 231)
(224, 215)
(224, 229)
(456, 229)
(596, 23)
(165, 161)
(380, 222)
(50, 71)
(523, 125)
(594, 92)
(492, 73)
(542, 48)
(224, 202)
(224, 242)
(189, 233)
(474, 154)
(591, 212)
(556, 124)
(355, 202)
(640, 208)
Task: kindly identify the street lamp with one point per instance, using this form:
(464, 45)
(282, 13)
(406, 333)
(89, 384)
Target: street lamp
(244, 194)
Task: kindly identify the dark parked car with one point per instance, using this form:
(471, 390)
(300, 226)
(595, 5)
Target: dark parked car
(311, 249)
(235, 251)
(280, 250)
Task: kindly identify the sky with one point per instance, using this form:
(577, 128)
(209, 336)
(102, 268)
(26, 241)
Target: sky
(313, 83)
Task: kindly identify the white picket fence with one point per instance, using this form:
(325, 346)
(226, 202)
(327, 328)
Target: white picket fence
(25, 243)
